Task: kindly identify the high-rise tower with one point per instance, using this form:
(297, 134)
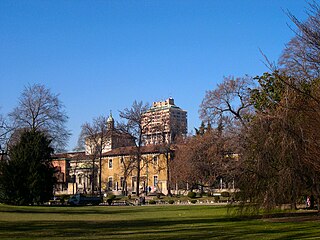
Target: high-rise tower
(163, 122)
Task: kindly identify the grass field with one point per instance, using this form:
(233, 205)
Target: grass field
(148, 222)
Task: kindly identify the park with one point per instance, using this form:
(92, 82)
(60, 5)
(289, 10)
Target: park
(153, 222)
(238, 160)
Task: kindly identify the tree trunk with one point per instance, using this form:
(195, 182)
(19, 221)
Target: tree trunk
(138, 177)
(168, 175)
(100, 171)
(92, 178)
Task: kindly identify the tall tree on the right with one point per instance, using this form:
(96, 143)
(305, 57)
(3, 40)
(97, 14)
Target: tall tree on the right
(300, 58)
(281, 153)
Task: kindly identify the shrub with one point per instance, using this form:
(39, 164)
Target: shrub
(152, 202)
(199, 195)
(112, 197)
(237, 196)
(225, 194)
(193, 201)
(129, 196)
(109, 201)
(171, 201)
(192, 194)
(216, 198)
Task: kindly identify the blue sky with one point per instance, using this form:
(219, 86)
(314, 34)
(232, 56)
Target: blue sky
(103, 55)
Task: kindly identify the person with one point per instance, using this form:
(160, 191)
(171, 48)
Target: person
(308, 202)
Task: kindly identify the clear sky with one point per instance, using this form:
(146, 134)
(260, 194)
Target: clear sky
(102, 55)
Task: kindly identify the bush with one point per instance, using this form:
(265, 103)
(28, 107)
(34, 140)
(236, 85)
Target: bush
(129, 196)
(193, 201)
(199, 195)
(152, 202)
(192, 195)
(225, 194)
(237, 196)
(112, 197)
(171, 201)
(216, 198)
(109, 201)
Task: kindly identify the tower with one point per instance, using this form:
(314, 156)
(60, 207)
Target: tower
(110, 122)
(163, 122)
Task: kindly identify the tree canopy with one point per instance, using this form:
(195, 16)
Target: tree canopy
(27, 177)
(41, 110)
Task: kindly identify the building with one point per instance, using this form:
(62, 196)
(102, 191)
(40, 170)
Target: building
(163, 122)
(119, 171)
(112, 138)
(76, 171)
(79, 171)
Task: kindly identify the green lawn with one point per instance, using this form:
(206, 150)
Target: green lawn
(147, 222)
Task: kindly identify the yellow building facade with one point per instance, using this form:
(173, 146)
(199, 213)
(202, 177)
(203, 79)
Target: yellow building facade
(119, 171)
(119, 160)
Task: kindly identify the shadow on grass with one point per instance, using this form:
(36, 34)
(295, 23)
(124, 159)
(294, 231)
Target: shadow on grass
(205, 228)
(156, 222)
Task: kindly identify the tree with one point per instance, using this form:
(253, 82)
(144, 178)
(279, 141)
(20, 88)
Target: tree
(166, 144)
(134, 127)
(95, 137)
(281, 152)
(40, 110)
(300, 58)
(271, 90)
(281, 143)
(128, 165)
(28, 176)
(229, 102)
(202, 160)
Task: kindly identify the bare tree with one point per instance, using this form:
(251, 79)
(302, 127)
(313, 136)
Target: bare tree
(95, 137)
(40, 110)
(300, 57)
(134, 127)
(202, 160)
(128, 164)
(166, 144)
(230, 101)
(5, 132)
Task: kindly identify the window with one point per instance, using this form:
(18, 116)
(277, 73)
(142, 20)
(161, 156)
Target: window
(110, 163)
(110, 182)
(80, 179)
(121, 182)
(155, 160)
(155, 180)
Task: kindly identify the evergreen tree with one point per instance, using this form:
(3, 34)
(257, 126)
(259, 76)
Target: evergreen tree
(28, 176)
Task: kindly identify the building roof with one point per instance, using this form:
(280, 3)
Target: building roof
(114, 152)
(70, 155)
(132, 149)
(165, 105)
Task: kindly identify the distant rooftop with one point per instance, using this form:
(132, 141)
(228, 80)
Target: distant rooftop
(162, 105)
